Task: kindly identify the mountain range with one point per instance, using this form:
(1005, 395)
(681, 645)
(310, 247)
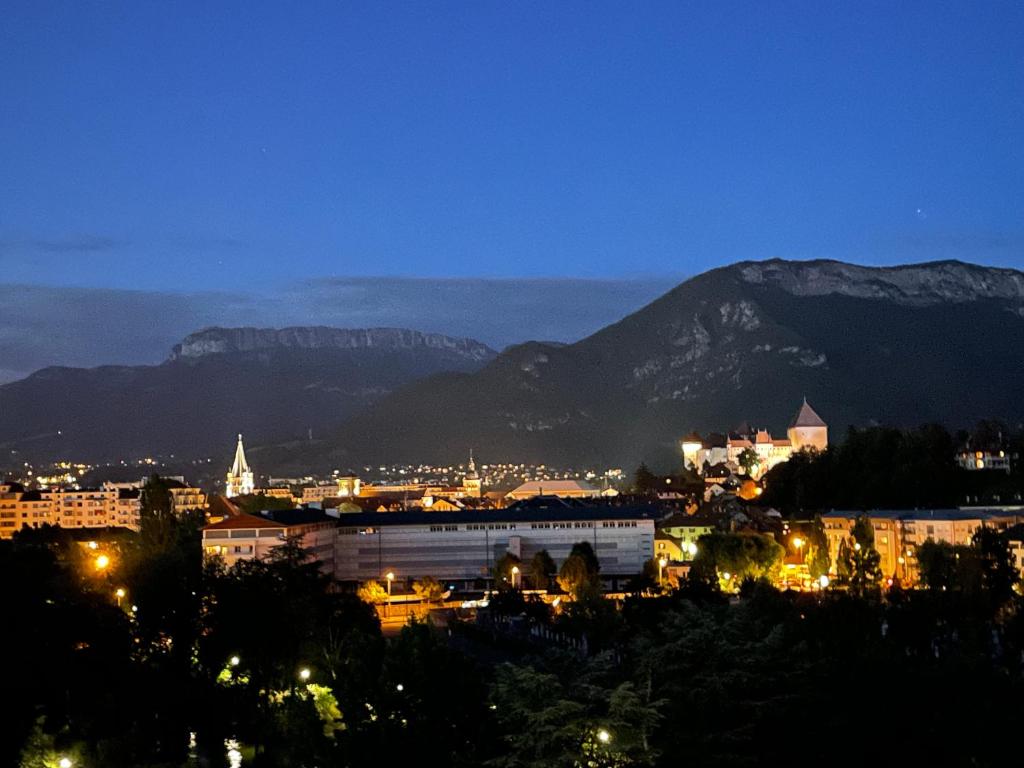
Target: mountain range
(271, 384)
(940, 341)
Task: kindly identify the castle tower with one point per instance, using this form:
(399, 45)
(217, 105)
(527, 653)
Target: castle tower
(240, 480)
(808, 430)
(471, 483)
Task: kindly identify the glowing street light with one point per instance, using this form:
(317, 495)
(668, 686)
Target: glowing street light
(662, 562)
(515, 575)
(234, 661)
(102, 561)
(65, 762)
(304, 674)
(798, 543)
(823, 581)
(119, 593)
(390, 576)
(603, 736)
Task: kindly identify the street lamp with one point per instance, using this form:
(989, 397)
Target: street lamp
(102, 562)
(65, 762)
(798, 543)
(603, 736)
(390, 576)
(304, 674)
(823, 581)
(119, 593)
(662, 562)
(234, 661)
(515, 575)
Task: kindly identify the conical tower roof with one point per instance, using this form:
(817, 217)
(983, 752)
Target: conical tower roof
(807, 417)
(240, 465)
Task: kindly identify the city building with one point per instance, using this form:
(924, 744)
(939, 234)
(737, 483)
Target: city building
(461, 548)
(563, 489)
(246, 537)
(807, 431)
(240, 478)
(686, 529)
(898, 533)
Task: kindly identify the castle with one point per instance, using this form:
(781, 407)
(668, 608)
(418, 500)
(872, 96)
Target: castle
(754, 452)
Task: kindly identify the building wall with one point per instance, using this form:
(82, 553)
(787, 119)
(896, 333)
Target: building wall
(469, 551)
(250, 543)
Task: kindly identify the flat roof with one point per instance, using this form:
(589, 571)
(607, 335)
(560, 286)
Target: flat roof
(550, 514)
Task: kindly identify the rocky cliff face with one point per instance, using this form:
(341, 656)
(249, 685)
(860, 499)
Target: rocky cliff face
(213, 341)
(901, 345)
(918, 284)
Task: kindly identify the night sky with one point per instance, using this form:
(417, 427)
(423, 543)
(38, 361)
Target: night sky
(272, 154)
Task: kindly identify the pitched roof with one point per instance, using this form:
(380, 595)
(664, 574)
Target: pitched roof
(240, 465)
(807, 417)
(554, 487)
(243, 520)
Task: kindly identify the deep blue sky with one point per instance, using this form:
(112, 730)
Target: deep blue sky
(248, 146)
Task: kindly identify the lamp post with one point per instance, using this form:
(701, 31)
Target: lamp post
(119, 593)
(662, 562)
(390, 576)
(515, 576)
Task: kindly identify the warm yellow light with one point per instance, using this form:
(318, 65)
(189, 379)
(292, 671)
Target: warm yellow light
(234, 661)
(515, 570)
(389, 576)
(119, 592)
(663, 562)
(65, 762)
(798, 542)
(856, 546)
(304, 674)
(603, 736)
(102, 562)
(92, 545)
(726, 575)
(823, 581)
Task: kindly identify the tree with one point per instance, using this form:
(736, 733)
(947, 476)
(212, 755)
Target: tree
(541, 570)
(372, 592)
(818, 560)
(749, 460)
(645, 481)
(865, 573)
(503, 576)
(844, 563)
(741, 555)
(579, 574)
(429, 589)
(585, 550)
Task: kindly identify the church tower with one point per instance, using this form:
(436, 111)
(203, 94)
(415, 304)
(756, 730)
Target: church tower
(808, 430)
(471, 483)
(240, 480)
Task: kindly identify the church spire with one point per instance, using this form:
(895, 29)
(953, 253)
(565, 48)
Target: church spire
(240, 476)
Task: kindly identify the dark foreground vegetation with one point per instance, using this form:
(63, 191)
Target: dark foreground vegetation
(190, 660)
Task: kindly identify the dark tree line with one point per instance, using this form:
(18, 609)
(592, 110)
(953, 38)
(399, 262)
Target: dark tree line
(880, 468)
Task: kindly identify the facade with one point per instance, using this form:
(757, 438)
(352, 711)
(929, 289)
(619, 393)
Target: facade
(462, 547)
(686, 529)
(76, 508)
(806, 430)
(247, 537)
(988, 458)
(898, 533)
(240, 478)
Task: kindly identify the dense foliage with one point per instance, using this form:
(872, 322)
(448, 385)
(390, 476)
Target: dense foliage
(193, 657)
(885, 468)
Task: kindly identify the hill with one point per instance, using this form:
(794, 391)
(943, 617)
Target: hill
(941, 341)
(270, 384)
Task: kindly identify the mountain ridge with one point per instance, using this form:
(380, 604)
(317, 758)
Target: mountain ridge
(937, 341)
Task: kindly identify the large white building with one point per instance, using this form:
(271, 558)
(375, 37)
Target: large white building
(247, 537)
(462, 547)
